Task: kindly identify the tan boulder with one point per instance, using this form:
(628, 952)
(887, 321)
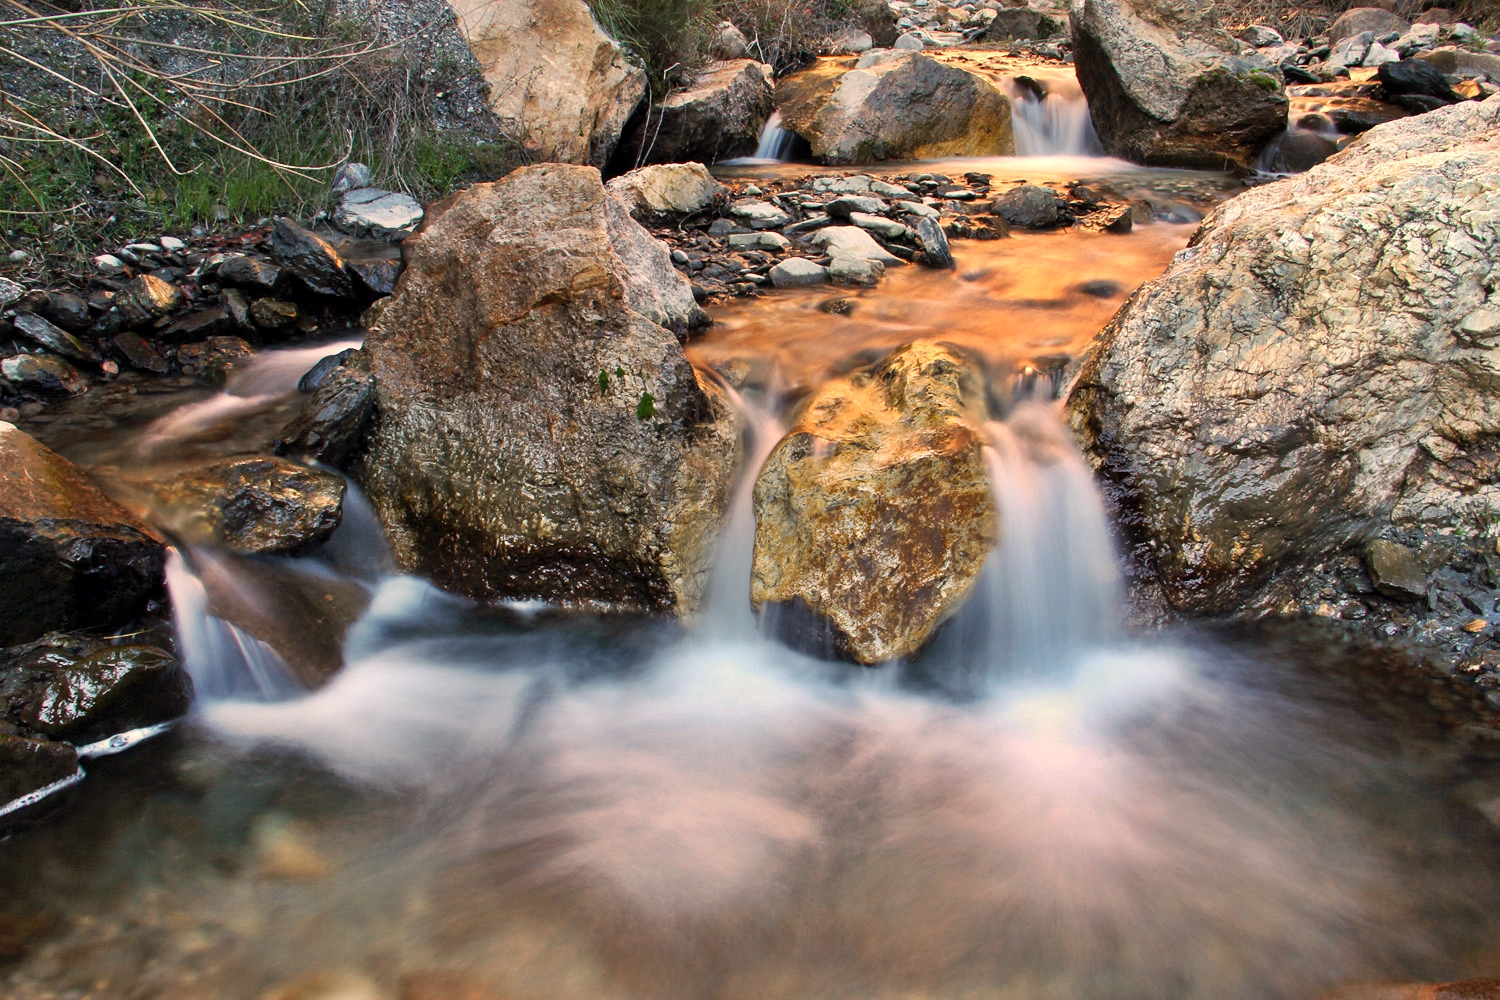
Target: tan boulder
(563, 85)
(539, 432)
(874, 514)
(667, 188)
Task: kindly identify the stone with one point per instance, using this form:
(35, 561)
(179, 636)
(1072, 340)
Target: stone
(28, 766)
(849, 269)
(273, 314)
(1260, 36)
(854, 41)
(1350, 52)
(195, 325)
(286, 850)
(43, 373)
(845, 206)
(1166, 86)
(171, 244)
(248, 272)
(70, 558)
(851, 240)
(351, 177)
(935, 249)
(311, 258)
(557, 81)
(895, 105)
(1415, 76)
(331, 427)
(1376, 20)
(1419, 36)
(108, 264)
(540, 433)
(910, 41)
(140, 353)
(69, 311)
(237, 308)
(99, 691)
(889, 228)
(1455, 61)
(717, 116)
(37, 330)
(146, 298)
(1395, 571)
(876, 19)
(1030, 206)
(1379, 55)
(253, 505)
(796, 271)
(728, 43)
(1016, 23)
(873, 514)
(666, 189)
(1284, 392)
(378, 213)
(213, 359)
(1298, 151)
(10, 293)
(378, 275)
(918, 209)
(758, 214)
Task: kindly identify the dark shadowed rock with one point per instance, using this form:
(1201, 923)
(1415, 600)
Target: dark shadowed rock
(140, 353)
(69, 556)
(332, 424)
(146, 298)
(311, 258)
(1021, 22)
(935, 249)
(214, 359)
(254, 505)
(69, 311)
(1415, 77)
(249, 272)
(717, 116)
(1166, 86)
(1030, 206)
(43, 373)
(1395, 571)
(1298, 152)
(538, 431)
(45, 334)
(28, 766)
(84, 691)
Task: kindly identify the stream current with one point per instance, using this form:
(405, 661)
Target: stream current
(512, 802)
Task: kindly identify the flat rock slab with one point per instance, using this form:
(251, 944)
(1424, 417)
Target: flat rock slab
(382, 213)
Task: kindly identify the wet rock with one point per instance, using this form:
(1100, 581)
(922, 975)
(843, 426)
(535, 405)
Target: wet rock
(539, 432)
(146, 298)
(847, 205)
(273, 314)
(889, 105)
(286, 850)
(853, 270)
(84, 696)
(213, 359)
(1030, 206)
(935, 250)
(68, 311)
(311, 258)
(318, 374)
(667, 189)
(1375, 20)
(44, 334)
(1298, 152)
(377, 212)
(879, 224)
(1256, 419)
(579, 90)
(69, 556)
(717, 116)
(196, 325)
(1166, 86)
(140, 353)
(1415, 77)
(249, 272)
(331, 427)
(378, 276)
(873, 515)
(1395, 571)
(43, 373)
(237, 308)
(796, 271)
(254, 505)
(28, 766)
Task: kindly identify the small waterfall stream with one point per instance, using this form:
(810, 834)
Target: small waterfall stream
(1051, 121)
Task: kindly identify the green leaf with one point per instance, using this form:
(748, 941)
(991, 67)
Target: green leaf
(603, 382)
(646, 408)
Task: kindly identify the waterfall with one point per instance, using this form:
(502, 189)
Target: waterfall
(1051, 121)
(775, 141)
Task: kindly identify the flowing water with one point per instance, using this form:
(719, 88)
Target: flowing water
(517, 803)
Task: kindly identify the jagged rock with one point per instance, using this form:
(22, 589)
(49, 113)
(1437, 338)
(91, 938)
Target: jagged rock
(331, 427)
(1166, 86)
(39, 331)
(273, 314)
(935, 249)
(351, 177)
(311, 258)
(1395, 571)
(1376, 20)
(69, 556)
(249, 272)
(254, 505)
(890, 105)
(717, 116)
(1298, 382)
(672, 188)
(43, 373)
(10, 293)
(213, 359)
(146, 298)
(728, 43)
(556, 80)
(377, 212)
(1415, 76)
(84, 691)
(874, 515)
(538, 431)
(28, 766)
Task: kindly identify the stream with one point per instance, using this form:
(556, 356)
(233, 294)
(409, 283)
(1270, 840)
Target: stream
(514, 802)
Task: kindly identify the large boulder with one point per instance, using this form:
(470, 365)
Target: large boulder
(556, 79)
(1318, 370)
(1356, 21)
(895, 105)
(873, 516)
(539, 432)
(1166, 86)
(667, 189)
(718, 116)
(70, 557)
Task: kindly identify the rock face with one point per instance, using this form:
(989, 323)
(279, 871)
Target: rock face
(873, 516)
(718, 116)
(667, 189)
(1166, 86)
(539, 432)
(555, 78)
(1317, 371)
(254, 505)
(895, 105)
(69, 556)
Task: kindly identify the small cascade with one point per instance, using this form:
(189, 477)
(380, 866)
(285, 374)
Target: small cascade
(775, 141)
(1051, 121)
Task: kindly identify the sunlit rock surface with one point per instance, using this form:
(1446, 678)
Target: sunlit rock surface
(1166, 84)
(539, 432)
(874, 515)
(1319, 369)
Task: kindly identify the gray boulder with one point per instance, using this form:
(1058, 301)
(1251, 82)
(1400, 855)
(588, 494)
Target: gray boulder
(718, 116)
(1166, 85)
(1012, 23)
(666, 189)
(1316, 371)
(377, 212)
(1376, 20)
(539, 432)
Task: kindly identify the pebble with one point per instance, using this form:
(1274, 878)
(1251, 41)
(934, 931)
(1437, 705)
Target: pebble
(172, 243)
(19, 256)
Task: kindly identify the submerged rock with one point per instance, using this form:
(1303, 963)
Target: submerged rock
(1301, 380)
(539, 432)
(1166, 85)
(895, 105)
(28, 766)
(254, 505)
(874, 514)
